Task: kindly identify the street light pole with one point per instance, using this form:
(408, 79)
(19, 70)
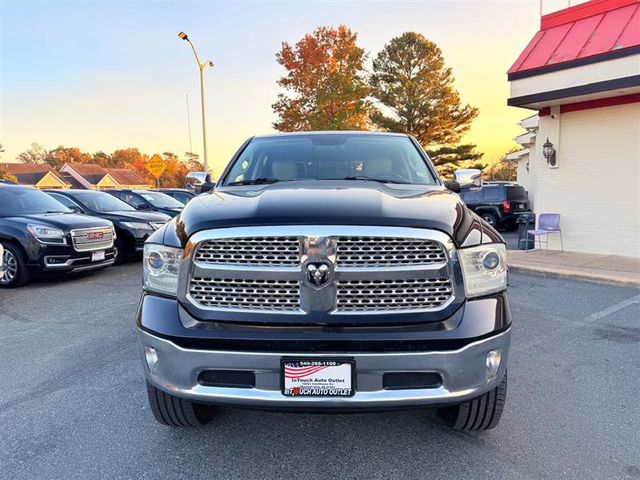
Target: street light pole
(201, 66)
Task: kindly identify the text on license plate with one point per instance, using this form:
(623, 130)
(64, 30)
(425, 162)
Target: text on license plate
(317, 378)
(97, 256)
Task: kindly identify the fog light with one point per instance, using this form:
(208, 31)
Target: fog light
(151, 356)
(493, 363)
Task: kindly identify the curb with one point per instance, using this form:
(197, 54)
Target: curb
(586, 277)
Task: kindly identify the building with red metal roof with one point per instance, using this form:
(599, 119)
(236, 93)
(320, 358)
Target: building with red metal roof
(580, 74)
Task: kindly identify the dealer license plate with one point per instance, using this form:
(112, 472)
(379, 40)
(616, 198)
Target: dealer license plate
(317, 378)
(97, 256)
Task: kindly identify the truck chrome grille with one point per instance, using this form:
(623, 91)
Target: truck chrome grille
(381, 251)
(281, 295)
(87, 239)
(274, 269)
(415, 294)
(260, 251)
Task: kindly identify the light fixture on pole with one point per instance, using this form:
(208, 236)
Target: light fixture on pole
(201, 66)
(549, 153)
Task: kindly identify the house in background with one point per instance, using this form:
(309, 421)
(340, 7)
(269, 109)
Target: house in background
(35, 175)
(128, 178)
(89, 176)
(581, 74)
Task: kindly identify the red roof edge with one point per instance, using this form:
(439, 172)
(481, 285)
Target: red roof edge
(583, 10)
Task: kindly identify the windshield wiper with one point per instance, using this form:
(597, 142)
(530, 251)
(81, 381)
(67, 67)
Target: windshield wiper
(255, 181)
(370, 179)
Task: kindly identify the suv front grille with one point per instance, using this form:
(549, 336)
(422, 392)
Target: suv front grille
(380, 251)
(416, 294)
(260, 251)
(87, 239)
(279, 295)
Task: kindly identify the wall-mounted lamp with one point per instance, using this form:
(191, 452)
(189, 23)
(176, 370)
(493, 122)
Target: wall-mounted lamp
(549, 152)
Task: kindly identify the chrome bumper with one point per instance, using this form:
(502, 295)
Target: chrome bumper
(463, 372)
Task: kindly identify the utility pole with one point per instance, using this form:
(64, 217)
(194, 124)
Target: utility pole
(189, 125)
(201, 66)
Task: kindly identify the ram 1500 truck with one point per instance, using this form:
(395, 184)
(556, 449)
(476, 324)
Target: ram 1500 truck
(326, 271)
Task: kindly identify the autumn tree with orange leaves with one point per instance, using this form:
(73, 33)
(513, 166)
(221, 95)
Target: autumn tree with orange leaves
(325, 83)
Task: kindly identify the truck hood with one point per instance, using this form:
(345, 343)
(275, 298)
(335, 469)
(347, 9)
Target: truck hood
(332, 203)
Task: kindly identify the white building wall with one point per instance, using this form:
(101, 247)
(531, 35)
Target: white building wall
(596, 187)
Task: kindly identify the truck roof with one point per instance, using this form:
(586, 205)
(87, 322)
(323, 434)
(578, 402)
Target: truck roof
(331, 132)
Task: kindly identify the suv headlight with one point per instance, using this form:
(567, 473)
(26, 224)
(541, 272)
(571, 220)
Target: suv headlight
(160, 267)
(137, 225)
(45, 234)
(484, 269)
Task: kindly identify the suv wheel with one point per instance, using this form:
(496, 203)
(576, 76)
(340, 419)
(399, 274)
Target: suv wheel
(489, 218)
(15, 265)
(482, 413)
(176, 412)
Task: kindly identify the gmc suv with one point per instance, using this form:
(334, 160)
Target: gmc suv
(326, 271)
(39, 234)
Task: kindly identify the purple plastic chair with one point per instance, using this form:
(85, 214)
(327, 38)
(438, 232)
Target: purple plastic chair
(547, 223)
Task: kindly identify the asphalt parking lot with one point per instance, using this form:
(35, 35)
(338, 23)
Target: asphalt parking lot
(73, 405)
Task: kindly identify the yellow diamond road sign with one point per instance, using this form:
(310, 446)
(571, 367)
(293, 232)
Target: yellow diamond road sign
(156, 166)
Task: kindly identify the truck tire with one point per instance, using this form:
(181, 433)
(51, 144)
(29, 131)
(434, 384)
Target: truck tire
(478, 414)
(16, 273)
(176, 412)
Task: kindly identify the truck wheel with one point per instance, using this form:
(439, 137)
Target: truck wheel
(176, 412)
(482, 413)
(15, 265)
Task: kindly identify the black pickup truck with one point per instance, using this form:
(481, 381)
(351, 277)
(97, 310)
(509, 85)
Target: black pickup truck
(326, 271)
(39, 234)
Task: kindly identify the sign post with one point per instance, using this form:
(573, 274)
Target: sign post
(156, 167)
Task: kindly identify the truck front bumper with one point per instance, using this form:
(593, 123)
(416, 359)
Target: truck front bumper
(174, 363)
(464, 375)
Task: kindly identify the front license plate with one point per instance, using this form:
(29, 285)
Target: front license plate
(97, 256)
(317, 378)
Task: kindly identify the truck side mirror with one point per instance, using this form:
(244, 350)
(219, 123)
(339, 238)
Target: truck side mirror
(453, 186)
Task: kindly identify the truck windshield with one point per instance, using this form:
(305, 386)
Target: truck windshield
(340, 156)
(25, 201)
(102, 202)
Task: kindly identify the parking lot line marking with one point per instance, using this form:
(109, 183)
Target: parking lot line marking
(578, 323)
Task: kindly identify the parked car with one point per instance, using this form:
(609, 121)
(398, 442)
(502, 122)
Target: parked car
(148, 200)
(133, 227)
(39, 234)
(2, 268)
(498, 203)
(183, 195)
(330, 271)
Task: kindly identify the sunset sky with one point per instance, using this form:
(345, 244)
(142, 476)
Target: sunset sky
(107, 75)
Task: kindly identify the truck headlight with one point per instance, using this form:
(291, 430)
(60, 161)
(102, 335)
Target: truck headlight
(160, 266)
(484, 269)
(45, 234)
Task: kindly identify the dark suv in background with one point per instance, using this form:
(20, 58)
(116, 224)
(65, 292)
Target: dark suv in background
(39, 234)
(498, 203)
(148, 200)
(133, 227)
